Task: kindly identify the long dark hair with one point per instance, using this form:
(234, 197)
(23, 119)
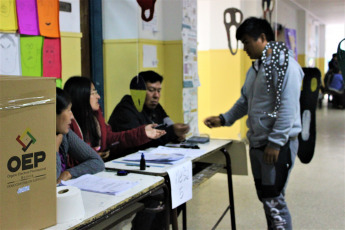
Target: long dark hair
(62, 100)
(79, 89)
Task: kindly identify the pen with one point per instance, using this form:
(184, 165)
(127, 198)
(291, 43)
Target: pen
(136, 165)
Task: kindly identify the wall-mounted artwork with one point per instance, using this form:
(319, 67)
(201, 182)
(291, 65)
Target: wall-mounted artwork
(10, 54)
(8, 16)
(147, 6)
(48, 16)
(27, 17)
(291, 40)
(51, 58)
(232, 20)
(31, 55)
(267, 9)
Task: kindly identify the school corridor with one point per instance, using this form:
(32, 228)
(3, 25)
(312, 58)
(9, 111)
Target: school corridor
(315, 192)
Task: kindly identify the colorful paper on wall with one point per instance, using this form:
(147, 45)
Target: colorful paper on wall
(31, 55)
(27, 17)
(8, 16)
(291, 40)
(52, 57)
(190, 110)
(10, 54)
(59, 83)
(48, 18)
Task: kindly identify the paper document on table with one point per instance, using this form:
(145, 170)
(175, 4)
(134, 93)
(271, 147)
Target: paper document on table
(97, 184)
(192, 153)
(156, 157)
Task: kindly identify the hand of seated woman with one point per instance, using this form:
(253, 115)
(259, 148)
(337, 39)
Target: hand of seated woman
(65, 175)
(104, 155)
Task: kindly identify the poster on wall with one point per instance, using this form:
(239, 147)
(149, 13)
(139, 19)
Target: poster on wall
(190, 110)
(52, 58)
(8, 16)
(10, 54)
(27, 17)
(291, 40)
(190, 66)
(31, 55)
(48, 18)
(151, 26)
(189, 41)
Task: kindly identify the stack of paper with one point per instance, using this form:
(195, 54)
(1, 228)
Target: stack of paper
(100, 184)
(156, 157)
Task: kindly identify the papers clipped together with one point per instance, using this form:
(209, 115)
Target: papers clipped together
(97, 184)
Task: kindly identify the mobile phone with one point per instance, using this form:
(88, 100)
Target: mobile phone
(114, 144)
(161, 126)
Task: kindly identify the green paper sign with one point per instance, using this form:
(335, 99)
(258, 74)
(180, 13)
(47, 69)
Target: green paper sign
(138, 97)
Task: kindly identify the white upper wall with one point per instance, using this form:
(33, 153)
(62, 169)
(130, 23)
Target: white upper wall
(286, 14)
(211, 29)
(122, 20)
(70, 21)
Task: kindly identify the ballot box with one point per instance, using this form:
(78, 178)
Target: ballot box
(27, 152)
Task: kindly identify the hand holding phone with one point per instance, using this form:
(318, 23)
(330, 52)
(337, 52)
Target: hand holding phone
(160, 126)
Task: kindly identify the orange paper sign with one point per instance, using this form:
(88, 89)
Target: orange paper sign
(48, 17)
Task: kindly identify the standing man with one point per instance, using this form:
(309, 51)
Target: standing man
(270, 98)
(126, 116)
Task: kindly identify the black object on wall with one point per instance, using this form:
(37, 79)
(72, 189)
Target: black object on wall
(96, 38)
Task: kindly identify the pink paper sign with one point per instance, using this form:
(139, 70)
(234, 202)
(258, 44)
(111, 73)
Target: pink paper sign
(27, 17)
(52, 58)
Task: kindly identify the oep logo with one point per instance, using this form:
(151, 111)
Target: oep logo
(27, 160)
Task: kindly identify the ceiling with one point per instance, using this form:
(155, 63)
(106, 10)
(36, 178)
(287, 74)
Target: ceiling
(327, 11)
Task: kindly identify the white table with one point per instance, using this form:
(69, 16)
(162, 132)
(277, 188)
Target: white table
(212, 147)
(100, 207)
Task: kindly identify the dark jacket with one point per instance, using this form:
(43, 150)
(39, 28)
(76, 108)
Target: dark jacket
(125, 116)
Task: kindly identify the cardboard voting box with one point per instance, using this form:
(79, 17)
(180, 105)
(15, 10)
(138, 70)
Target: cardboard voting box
(27, 152)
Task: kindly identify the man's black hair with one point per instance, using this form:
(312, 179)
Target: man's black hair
(151, 76)
(254, 27)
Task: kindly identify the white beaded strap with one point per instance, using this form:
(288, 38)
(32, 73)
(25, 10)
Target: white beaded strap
(279, 62)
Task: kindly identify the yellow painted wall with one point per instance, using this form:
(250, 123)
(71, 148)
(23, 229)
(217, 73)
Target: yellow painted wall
(320, 64)
(70, 55)
(302, 60)
(222, 76)
(123, 61)
(173, 80)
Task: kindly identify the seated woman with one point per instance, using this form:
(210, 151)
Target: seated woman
(89, 123)
(68, 144)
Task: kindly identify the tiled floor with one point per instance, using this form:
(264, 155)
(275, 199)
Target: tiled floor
(315, 194)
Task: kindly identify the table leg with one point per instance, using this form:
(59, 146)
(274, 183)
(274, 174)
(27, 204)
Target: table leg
(184, 212)
(230, 187)
(167, 206)
(174, 219)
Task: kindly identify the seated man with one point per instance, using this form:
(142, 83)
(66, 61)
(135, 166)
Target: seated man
(126, 116)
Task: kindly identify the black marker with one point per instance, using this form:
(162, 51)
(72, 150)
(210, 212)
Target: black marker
(142, 162)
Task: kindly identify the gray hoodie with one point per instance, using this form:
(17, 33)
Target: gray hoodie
(256, 102)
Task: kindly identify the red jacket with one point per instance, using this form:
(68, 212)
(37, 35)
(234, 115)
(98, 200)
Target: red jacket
(128, 139)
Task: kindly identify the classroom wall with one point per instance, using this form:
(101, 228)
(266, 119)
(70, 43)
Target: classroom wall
(222, 74)
(124, 38)
(70, 41)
